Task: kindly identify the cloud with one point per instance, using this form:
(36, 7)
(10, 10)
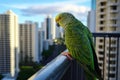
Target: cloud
(79, 11)
(75, 7)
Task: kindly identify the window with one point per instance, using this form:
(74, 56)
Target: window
(114, 7)
(101, 22)
(112, 68)
(101, 58)
(100, 46)
(101, 16)
(112, 55)
(111, 75)
(101, 28)
(103, 3)
(102, 10)
(101, 40)
(100, 64)
(101, 52)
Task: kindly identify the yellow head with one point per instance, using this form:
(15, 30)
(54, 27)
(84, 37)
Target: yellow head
(64, 19)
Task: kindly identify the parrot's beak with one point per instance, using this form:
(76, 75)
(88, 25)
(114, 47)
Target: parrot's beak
(57, 24)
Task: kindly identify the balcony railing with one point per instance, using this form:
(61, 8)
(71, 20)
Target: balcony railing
(63, 69)
(60, 69)
(108, 40)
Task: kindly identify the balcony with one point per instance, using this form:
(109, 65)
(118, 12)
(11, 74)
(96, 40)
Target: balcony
(61, 68)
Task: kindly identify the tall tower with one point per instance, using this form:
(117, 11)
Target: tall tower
(93, 5)
(91, 19)
(29, 41)
(9, 43)
(108, 20)
(48, 27)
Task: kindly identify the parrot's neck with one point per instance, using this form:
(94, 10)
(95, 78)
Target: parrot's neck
(72, 24)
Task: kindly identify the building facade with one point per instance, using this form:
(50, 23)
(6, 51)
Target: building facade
(108, 20)
(29, 41)
(9, 43)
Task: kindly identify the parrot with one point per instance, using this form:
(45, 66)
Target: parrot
(79, 42)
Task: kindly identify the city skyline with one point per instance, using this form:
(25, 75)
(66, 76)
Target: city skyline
(37, 10)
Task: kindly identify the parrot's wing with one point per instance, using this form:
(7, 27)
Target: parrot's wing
(96, 66)
(80, 49)
(79, 46)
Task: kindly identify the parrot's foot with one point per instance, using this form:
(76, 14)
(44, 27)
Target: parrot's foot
(67, 54)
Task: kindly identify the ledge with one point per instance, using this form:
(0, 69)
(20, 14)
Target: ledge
(53, 70)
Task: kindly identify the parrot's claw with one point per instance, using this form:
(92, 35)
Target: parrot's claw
(67, 54)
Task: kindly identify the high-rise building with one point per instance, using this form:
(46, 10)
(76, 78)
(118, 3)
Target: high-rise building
(50, 29)
(93, 5)
(29, 41)
(49, 25)
(41, 39)
(108, 20)
(91, 19)
(9, 43)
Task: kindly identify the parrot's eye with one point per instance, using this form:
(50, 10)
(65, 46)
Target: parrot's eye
(58, 19)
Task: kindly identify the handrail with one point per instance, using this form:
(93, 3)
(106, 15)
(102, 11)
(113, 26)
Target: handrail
(53, 70)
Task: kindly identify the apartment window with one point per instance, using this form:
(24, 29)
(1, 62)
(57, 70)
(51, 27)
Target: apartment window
(101, 40)
(102, 10)
(101, 22)
(100, 64)
(113, 28)
(101, 52)
(112, 55)
(114, 21)
(101, 16)
(100, 46)
(113, 41)
(101, 58)
(112, 68)
(111, 75)
(111, 48)
(101, 28)
(103, 3)
(114, 7)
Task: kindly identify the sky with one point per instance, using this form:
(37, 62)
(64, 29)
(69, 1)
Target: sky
(37, 10)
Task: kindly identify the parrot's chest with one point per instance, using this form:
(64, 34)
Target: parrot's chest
(73, 38)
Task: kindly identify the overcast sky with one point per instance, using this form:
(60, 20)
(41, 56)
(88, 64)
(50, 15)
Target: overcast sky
(36, 10)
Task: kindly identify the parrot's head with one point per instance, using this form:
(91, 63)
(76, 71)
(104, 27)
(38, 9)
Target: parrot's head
(64, 19)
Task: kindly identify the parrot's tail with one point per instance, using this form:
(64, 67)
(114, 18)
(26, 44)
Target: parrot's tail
(89, 77)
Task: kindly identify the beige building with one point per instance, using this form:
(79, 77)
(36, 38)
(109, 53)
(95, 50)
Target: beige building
(9, 43)
(29, 41)
(108, 20)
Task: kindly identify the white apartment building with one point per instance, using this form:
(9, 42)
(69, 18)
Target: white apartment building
(29, 41)
(50, 29)
(91, 20)
(41, 39)
(9, 43)
(108, 20)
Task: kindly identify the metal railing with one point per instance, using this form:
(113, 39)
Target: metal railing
(108, 40)
(63, 69)
(59, 69)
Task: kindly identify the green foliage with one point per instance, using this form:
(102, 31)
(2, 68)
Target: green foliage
(47, 53)
(27, 71)
(1, 76)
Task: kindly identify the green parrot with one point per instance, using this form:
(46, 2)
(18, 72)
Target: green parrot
(79, 42)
